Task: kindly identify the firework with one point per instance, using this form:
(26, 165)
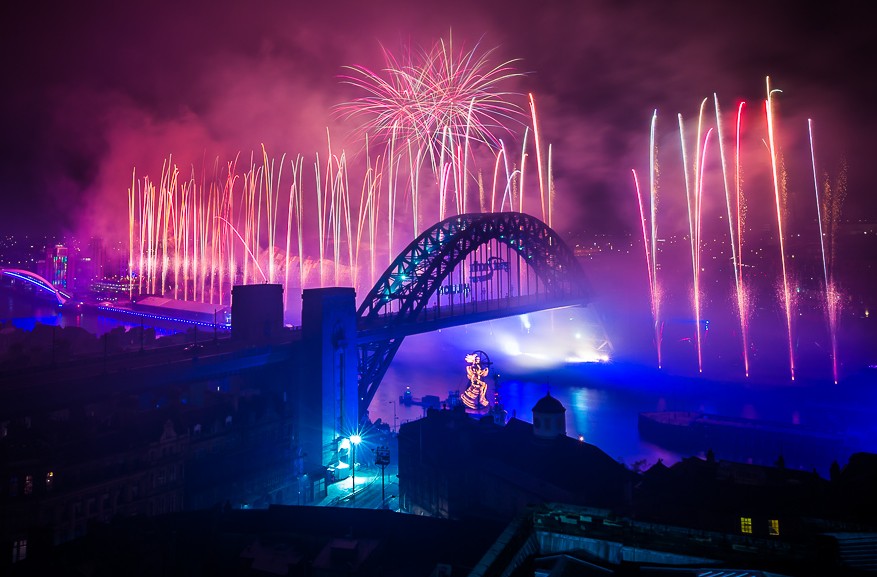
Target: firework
(832, 199)
(429, 94)
(779, 190)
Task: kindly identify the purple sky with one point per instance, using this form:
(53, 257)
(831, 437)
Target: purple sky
(94, 89)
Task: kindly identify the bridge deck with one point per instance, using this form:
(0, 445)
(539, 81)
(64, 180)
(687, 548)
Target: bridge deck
(384, 326)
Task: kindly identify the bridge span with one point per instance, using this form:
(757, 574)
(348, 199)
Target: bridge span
(380, 328)
(37, 281)
(516, 264)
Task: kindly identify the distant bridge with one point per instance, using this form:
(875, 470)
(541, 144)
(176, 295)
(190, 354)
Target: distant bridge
(523, 267)
(38, 281)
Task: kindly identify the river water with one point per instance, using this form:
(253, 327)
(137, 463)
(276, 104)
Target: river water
(546, 352)
(604, 399)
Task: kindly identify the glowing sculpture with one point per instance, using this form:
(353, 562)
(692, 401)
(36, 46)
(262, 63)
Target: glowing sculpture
(475, 396)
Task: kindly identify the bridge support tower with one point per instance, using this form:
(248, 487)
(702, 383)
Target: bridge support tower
(329, 371)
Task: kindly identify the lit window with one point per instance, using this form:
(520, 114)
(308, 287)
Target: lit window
(774, 526)
(746, 525)
(19, 550)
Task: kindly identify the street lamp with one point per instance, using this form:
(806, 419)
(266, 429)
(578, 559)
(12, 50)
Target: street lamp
(382, 458)
(354, 441)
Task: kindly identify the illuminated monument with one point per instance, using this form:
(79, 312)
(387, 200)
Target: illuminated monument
(475, 396)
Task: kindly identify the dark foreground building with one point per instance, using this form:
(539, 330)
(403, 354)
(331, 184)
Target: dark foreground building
(306, 541)
(151, 431)
(452, 465)
(575, 511)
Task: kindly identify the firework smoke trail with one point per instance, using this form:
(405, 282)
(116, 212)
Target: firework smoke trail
(693, 198)
(391, 195)
(272, 200)
(168, 201)
(831, 295)
(294, 209)
(521, 175)
(787, 297)
(226, 211)
(442, 177)
(161, 238)
(180, 207)
(247, 193)
(653, 210)
(738, 285)
(246, 247)
(552, 192)
(368, 211)
(650, 266)
(320, 210)
(538, 156)
(141, 232)
(742, 291)
(204, 246)
(511, 182)
(834, 201)
(500, 154)
(182, 234)
(464, 172)
(414, 162)
(340, 214)
(132, 205)
(149, 234)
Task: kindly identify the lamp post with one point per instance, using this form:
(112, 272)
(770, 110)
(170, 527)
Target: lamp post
(382, 458)
(354, 441)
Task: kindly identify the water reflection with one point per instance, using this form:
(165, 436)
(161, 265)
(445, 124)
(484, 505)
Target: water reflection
(604, 401)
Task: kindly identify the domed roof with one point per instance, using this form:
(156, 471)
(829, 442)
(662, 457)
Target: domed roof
(549, 404)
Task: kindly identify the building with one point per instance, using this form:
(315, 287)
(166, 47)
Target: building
(151, 432)
(563, 539)
(453, 465)
(278, 540)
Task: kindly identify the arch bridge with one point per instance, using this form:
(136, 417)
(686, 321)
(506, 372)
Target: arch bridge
(38, 281)
(517, 265)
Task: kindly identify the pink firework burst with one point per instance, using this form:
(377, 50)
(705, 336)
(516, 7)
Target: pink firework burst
(433, 95)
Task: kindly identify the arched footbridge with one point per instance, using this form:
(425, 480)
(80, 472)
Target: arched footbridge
(38, 281)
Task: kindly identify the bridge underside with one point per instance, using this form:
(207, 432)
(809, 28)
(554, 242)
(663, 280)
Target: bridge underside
(379, 344)
(485, 311)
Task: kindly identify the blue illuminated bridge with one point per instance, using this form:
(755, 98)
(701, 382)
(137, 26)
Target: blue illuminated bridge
(38, 281)
(465, 269)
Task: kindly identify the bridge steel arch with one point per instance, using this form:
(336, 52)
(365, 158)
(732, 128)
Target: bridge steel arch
(38, 280)
(417, 273)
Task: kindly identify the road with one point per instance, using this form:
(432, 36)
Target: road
(368, 484)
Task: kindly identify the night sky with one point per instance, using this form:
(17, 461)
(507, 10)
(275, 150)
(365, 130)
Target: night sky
(95, 89)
